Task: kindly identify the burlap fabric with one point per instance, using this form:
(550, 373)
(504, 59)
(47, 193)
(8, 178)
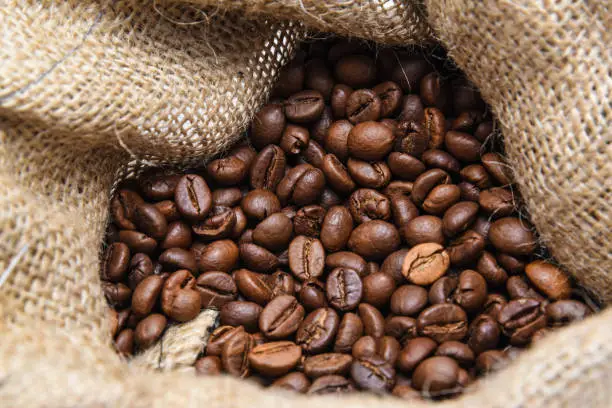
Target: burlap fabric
(92, 89)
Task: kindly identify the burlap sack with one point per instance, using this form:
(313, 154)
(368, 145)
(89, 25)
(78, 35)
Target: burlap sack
(90, 90)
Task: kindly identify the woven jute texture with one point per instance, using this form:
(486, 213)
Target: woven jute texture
(92, 89)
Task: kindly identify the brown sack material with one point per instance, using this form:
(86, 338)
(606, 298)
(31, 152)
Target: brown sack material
(87, 88)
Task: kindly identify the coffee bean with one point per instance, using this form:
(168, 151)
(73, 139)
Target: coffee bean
(483, 334)
(491, 361)
(308, 221)
(373, 320)
(227, 171)
(219, 337)
(409, 71)
(348, 260)
(414, 352)
(392, 265)
(476, 175)
(411, 138)
(179, 298)
(370, 141)
(466, 248)
(337, 174)
(159, 187)
(336, 228)
(216, 289)
(274, 232)
(313, 154)
(331, 384)
(339, 97)
(520, 318)
(364, 347)
(149, 330)
(443, 322)
(460, 352)
(268, 125)
(268, 168)
(402, 328)
(281, 317)
(424, 229)
(355, 70)
(169, 210)
(405, 166)
(116, 262)
(363, 105)
(327, 364)
(513, 264)
(124, 342)
(374, 240)
(318, 330)
(319, 77)
(459, 217)
(146, 294)
(123, 205)
(370, 175)
(563, 312)
(117, 294)
(469, 192)
(435, 90)
(209, 365)
(344, 289)
(408, 300)
(349, 331)
(499, 202)
(294, 139)
(488, 267)
(435, 127)
(149, 220)
(406, 392)
(463, 146)
(493, 305)
(336, 141)
(241, 313)
(258, 258)
(403, 210)
(235, 352)
(302, 185)
(373, 374)
(178, 236)
(218, 255)
(510, 235)
(193, 197)
(294, 381)
(426, 182)
(441, 197)
(259, 204)
(140, 267)
(425, 263)
(304, 106)
(436, 374)
(253, 286)
(518, 287)
(275, 358)
(496, 166)
(549, 279)
(378, 288)
(390, 95)
(306, 257)
(471, 291)
(388, 348)
(412, 109)
(178, 258)
(367, 204)
(442, 160)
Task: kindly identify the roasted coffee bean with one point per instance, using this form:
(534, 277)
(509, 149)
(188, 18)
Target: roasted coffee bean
(312, 295)
(355, 70)
(412, 109)
(116, 262)
(348, 260)
(253, 286)
(268, 125)
(193, 197)
(364, 347)
(302, 185)
(411, 138)
(258, 258)
(219, 337)
(313, 154)
(169, 210)
(281, 317)
(294, 381)
(497, 201)
(520, 318)
(549, 279)
(512, 236)
(336, 228)
(442, 160)
(308, 221)
(241, 223)
(443, 322)
(471, 291)
(178, 258)
(336, 141)
(403, 210)
(408, 300)
(443, 290)
(466, 248)
(463, 146)
(409, 71)
(513, 264)
(178, 236)
(216, 289)
(440, 198)
(373, 320)
(241, 313)
(436, 374)
(227, 171)
(405, 166)
(146, 294)
(494, 303)
(124, 342)
(245, 153)
(344, 289)
(563, 312)
(378, 288)
(268, 168)
(179, 298)
(331, 384)
(327, 364)
(149, 220)
(274, 232)
(319, 77)
(388, 348)
(459, 217)
(518, 287)
(370, 175)
(435, 90)
(235, 352)
(219, 224)
(123, 205)
(390, 95)
(435, 127)
(460, 352)
(149, 330)
(117, 294)
(337, 174)
(349, 331)
(275, 358)
(488, 267)
(491, 361)
(373, 374)
(339, 97)
(398, 187)
(406, 392)
(304, 106)
(469, 192)
(392, 265)
(370, 141)
(424, 229)
(372, 267)
(281, 283)
(316, 333)
(367, 204)
(483, 334)
(402, 328)
(426, 182)
(306, 257)
(425, 263)
(295, 139)
(374, 240)
(259, 204)
(476, 175)
(496, 166)
(159, 187)
(209, 365)
(414, 352)
(363, 105)
(218, 256)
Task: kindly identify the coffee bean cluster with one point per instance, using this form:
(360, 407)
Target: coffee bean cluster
(366, 237)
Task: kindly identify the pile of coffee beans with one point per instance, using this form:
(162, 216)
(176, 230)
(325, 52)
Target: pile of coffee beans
(366, 236)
